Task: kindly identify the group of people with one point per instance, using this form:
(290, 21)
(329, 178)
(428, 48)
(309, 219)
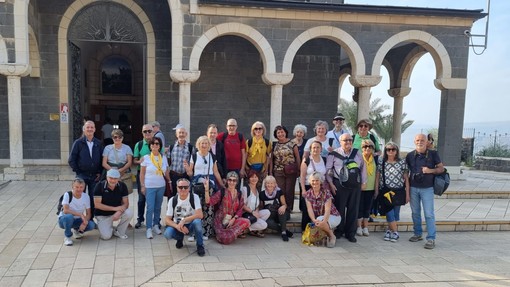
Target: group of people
(230, 186)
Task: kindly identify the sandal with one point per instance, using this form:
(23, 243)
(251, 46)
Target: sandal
(242, 235)
(257, 234)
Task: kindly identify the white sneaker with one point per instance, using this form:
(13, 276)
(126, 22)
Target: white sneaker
(387, 235)
(121, 236)
(68, 241)
(156, 229)
(365, 231)
(205, 238)
(359, 231)
(148, 233)
(77, 234)
(192, 238)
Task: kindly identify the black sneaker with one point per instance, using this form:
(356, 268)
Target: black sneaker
(289, 234)
(138, 224)
(352, 239)
(285, 237)
(200, 250)
(179, 244)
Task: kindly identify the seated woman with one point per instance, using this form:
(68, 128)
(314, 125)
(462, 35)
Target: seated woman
(320, 208)
(228, 220)
(252, 205)
(273, 200)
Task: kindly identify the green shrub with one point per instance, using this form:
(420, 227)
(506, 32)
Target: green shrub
(495, 151)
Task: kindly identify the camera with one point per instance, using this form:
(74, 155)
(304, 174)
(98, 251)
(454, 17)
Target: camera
(418, 177)
(178, 220)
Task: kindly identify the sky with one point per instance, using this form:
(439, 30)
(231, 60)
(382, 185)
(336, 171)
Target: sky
(487, 94)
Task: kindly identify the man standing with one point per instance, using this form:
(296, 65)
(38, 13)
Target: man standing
(346, 174)
(179, 155)
(141, 149)
(235, 148)
(338, 130)
(184, 216)
(423, 165)
(85, 159)
(112, 204)
(217, 150)
(157, 132)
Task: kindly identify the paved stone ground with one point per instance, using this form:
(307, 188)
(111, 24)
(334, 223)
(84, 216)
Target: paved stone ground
(32, 251)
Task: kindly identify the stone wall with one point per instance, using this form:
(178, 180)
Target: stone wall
(492, 163)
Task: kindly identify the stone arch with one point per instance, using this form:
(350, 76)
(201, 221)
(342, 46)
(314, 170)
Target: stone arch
(424, 39)
(409, 62)
(64, 25)
(34, 56)
(3, 51)
(177, 33)
(337, 35)
(236, 29)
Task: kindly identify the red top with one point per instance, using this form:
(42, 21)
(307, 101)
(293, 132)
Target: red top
(233, 147)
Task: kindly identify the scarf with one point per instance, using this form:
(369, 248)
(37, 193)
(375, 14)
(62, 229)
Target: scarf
(258, 145)
(370, 164)
(158, 164)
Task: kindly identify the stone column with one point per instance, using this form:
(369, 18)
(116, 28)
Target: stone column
(184, 78)
(277, 81)
(398, 95)
(364, 83)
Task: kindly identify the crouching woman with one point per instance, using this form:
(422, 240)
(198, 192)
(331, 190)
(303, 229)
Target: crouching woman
(320, 208)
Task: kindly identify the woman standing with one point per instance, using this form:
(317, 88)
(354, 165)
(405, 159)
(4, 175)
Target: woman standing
(299, 138)
(392, 172)
(309, 165)
(252, 207)
(367, 193)
(320, 129)
(119, 156)
(285, 167)
(320, 208)
(153, 172)
(273, 200)
(203, 167)
(258, 151)
(228, 220)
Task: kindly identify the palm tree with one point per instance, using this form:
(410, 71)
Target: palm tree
(383, 126)
(350, 111)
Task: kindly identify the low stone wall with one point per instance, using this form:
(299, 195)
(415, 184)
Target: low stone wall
(492, 163)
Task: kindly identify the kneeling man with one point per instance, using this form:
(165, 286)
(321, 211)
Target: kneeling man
(184, 216)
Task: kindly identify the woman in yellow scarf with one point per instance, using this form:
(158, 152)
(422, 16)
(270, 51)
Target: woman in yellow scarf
(153, 172)
(367, 194)
(258, 150)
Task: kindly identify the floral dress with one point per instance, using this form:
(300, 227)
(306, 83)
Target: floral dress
(228, 206)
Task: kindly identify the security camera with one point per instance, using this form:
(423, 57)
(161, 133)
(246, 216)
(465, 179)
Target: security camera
(467, 33)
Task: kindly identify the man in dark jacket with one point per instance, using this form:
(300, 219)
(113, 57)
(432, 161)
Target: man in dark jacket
(85, 158)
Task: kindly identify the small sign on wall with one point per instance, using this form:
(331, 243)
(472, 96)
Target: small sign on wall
(64, 113)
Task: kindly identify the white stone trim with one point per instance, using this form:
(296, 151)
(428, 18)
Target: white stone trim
(3, 51)
(21, 31)
(427, 41)
(451, 83)
(176, 13)
(35, 57)
(236, 29)
(339, 36)
(63, 63)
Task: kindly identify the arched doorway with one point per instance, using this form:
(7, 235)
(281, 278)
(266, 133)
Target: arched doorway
(107, 69)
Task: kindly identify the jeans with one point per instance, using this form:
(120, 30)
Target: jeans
(141, 199)
(393, 215)
(425, 197)
(67, 221)
(154, 199)
(195, 227)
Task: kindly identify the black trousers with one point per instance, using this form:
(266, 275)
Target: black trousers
(347, 203)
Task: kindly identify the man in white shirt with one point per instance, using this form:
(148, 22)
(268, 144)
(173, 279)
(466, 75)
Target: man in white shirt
(184, 216)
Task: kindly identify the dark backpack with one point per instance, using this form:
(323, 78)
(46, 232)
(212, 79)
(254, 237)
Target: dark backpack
(191, 200)
(60, 207)
(139, 146)
(225, 135)
(250, 142)
(350, 175)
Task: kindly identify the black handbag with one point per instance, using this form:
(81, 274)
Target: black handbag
(250, 217)
(199, 189)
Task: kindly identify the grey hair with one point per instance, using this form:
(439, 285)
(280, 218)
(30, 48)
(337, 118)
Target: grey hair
(299, 127)
(320, 123)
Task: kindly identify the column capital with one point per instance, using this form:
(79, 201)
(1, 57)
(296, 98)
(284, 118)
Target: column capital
(180, 76)
(277, 78)
(399, 92)
(20, 70)
(364, 81)
(450, 83)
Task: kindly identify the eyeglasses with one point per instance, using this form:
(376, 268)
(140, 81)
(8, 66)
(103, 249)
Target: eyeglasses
(391, 149)
(147, 131)
(258, 129)
(183, 187)
(230, 126)
(117, 137)
(363, 126)
(367, 146)
(347, 140)
(232, 180)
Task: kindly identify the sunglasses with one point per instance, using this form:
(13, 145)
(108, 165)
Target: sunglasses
(117, 137)
(156, 143)
(183, 187)
(232, 180)
(348, 140)
(367, 146)
(258, 129)
(147, 131)
(391, 149)
(363, 126)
